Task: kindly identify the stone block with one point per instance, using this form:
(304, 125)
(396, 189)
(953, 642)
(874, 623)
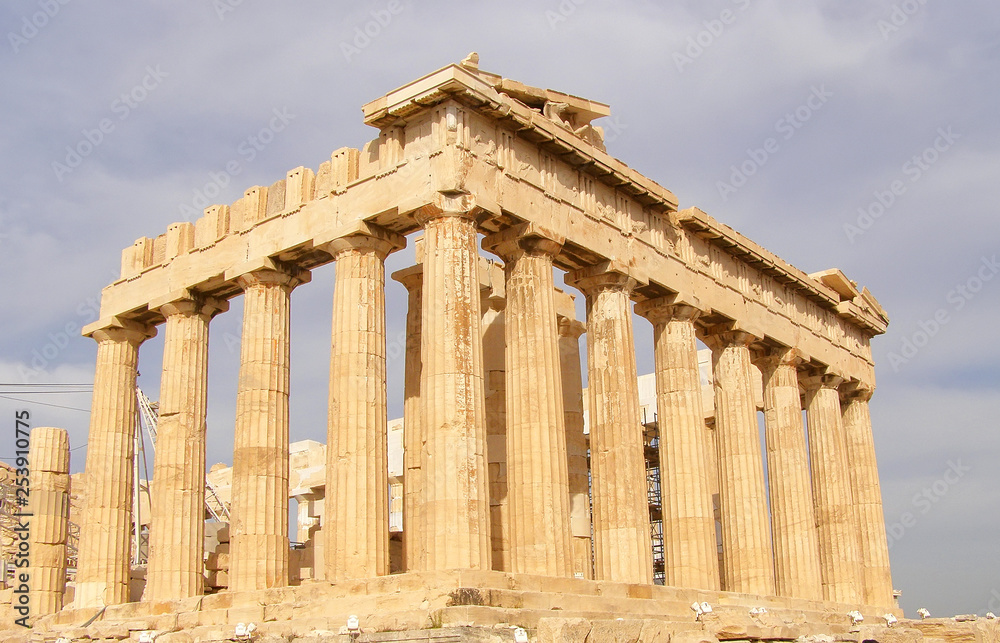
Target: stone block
(563, 630)
(246, 614)
(616, 631)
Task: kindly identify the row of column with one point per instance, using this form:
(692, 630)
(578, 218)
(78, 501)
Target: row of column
(446, 500)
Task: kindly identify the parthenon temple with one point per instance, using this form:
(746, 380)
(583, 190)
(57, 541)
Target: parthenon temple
(522, 484)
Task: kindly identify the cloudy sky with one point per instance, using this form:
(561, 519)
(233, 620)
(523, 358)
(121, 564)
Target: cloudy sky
(879, 117)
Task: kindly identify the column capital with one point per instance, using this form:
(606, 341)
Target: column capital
(189, 303)
(365, 237)
(768, 358)
(451, 205)
(730, 334)
(123, 330)
(524, 239)
(571, 327)
(607, 275)
(672, 307)
(286, 278)
(817, 379)
(856, 391)
(267, 270)
(412, 278)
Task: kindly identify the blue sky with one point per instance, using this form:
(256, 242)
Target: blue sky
(903, 112)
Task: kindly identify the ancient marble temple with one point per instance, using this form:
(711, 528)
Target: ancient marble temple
(475, 162)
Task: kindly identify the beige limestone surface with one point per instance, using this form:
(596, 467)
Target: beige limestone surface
(748, 561)
(356, 522)
(793, 521)
(620, 513)
(462, 152)
(691, 557)
(48, 525)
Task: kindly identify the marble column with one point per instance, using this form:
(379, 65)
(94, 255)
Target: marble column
(793, 521)
(103, 562)
(259, 510)
(537, 478)
(356, 522)
(578, 469)
(622, 545)
(456, 499)
(495, 388)
(414, 530)
(690, 552)
(867, 497)
(748, 562)
(836, 515)
(177, 503)
(48, 461)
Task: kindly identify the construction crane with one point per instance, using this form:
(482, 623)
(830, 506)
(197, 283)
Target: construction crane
(148, 412)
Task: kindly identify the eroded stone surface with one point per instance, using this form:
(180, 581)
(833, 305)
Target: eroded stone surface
(509, 161)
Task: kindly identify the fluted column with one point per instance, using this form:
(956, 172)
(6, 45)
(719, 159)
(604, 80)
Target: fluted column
(836, 515)
(452, 393)
(495, 389)
(103, 562)
(414, 530)
(622, 546)
(177, 502)
(748, 562)
(356, 520)
(867, 498)
(537, 478)
(690, 552)
(578, 469)
(259, 510)
(793, 520)
(48, 462)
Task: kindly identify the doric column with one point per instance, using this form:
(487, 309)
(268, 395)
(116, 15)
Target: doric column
(452, 393)
(578, 469)
(836, 515)
(414, 531)
(867, 497)
(103, 562)
(537, 482)
(48, 462)
(259, 510)
(622, 546)
(356, 520)
(690, 552)
(177, 505)
(748, 562)
(495, 388)
(793, 521)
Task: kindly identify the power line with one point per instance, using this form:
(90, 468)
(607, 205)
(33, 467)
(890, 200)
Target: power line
(7, 457)
(58, 406)
(43, 384)
(49, 392)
